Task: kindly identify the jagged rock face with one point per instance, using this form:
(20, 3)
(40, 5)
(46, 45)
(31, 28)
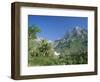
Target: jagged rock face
(75, 32)
(75, 36)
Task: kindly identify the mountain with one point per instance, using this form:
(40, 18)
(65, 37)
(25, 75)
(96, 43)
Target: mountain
(73, 35)
(73, 43)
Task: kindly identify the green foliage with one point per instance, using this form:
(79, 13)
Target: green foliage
(45, 48)
(32, 31)
(39, 52)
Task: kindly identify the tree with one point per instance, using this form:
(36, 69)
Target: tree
(46, 48)
(32, 31)
(32, 44)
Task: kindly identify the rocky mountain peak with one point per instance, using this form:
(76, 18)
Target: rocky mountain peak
(76, 31)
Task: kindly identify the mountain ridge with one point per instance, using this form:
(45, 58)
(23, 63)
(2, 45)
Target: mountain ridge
(74, 34)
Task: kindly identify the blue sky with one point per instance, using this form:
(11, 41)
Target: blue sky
(54, 27)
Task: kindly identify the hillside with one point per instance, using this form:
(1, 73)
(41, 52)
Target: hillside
(73, 45)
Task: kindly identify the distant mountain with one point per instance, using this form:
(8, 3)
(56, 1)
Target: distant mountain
(75, 38)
